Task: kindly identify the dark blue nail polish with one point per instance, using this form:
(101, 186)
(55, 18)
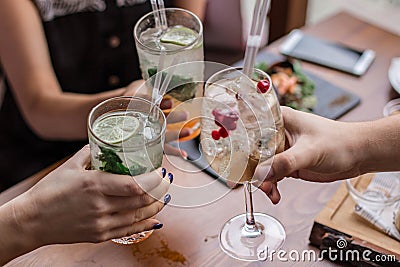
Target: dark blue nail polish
(167, 199)
(170, 177)
(163, 172)
(158, 226)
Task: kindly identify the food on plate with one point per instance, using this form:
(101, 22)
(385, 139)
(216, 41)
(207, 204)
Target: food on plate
(293, 87)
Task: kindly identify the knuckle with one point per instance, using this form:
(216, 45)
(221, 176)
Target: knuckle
(145, 200)
(134, 189)
(288, 162)
(138, 215)
(98, 227)
(88, 184)
(98, 209)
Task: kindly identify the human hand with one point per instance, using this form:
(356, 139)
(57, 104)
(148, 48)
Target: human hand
(73, 204)
(320, 150)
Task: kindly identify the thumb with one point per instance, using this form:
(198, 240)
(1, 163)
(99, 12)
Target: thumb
(285, 164)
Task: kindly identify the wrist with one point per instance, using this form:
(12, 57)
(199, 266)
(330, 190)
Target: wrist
(381, 144)
(24, 221)
(356, 144)
(17, 239)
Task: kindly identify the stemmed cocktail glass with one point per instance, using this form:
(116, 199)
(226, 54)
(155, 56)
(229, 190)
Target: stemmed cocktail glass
(241, 127)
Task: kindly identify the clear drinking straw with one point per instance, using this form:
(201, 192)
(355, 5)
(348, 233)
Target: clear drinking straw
(160, 17)
(254, 38)
(161, 7)
(155, 8)
(160, 87)
(156, 98)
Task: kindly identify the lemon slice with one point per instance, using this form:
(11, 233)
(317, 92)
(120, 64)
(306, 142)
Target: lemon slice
(115, 129)
(179, 35)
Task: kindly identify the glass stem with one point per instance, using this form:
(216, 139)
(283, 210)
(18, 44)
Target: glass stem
(250, 227)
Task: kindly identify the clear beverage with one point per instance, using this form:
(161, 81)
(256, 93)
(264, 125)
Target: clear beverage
(258, 134)
(182, 42)
(242, 126)
(125, 139)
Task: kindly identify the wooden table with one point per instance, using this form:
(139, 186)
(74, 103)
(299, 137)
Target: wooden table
(189, 236)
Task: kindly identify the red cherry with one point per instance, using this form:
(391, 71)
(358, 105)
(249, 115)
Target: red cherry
(215, 135)
(263, 86)
(223, 133)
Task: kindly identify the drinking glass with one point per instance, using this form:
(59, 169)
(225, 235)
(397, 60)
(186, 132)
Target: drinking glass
(242, 126)
(180, 42)
(126, 136)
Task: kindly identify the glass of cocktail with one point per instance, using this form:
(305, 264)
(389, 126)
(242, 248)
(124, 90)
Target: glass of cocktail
(126, 136)
(242, 126)
(180, 42)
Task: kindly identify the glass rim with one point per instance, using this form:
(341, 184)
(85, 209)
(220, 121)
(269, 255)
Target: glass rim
(239, 69)
(158, 51)
(366, 199)
(119, 145)
(391, 106)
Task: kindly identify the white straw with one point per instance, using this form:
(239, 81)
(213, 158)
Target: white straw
(156, 13)
(254, 39)
(164, 22)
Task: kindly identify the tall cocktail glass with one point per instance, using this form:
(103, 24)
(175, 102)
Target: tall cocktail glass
(126, 136)
(180, 42)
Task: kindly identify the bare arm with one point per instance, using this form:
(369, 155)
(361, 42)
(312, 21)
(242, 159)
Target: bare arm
(72, 204)
(380, 145)
(51, 113)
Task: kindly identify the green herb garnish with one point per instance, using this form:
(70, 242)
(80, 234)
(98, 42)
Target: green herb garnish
(113, 164)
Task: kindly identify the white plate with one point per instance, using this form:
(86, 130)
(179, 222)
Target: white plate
(394, 74)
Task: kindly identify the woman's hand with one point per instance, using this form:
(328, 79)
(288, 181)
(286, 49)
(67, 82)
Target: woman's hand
(73, 204)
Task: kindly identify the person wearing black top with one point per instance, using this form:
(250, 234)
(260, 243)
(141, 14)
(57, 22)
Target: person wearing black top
(60, 58)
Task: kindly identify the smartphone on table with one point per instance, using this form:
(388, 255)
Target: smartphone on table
(326, 53)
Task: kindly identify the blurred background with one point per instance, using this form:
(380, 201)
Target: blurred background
(226, 22)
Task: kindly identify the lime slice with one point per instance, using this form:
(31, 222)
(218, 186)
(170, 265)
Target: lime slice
(115, 129)
(179, 36)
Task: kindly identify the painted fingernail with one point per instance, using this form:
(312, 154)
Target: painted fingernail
(163, 172)
(158, 226)
(170, 177)
(167, 199)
